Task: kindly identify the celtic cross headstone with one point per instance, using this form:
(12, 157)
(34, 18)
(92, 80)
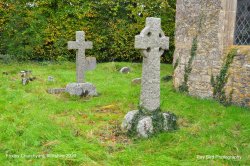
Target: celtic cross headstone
(152, 42)
(148, 119)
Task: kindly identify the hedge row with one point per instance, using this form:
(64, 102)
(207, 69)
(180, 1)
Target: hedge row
(39, 30)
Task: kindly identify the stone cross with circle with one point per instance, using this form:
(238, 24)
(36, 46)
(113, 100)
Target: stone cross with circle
(151, 42)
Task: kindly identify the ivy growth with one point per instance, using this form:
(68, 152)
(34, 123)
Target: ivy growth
(176, 64)
(219, 82)
(167, 78)
(188, 68)
(158, 121)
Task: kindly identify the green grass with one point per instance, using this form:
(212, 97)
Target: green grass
(35, 122)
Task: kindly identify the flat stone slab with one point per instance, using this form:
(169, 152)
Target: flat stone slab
(56, 90)
(81, 89)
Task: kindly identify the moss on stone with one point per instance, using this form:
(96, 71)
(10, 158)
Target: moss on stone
(157, 121)
(134, 123)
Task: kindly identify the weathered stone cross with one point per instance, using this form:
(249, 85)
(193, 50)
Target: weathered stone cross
(80, 45)
(152, 42)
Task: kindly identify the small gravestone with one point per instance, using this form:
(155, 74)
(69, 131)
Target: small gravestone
(50, 79)
(136, 81)
(90, 63)
(81, 88)
(26, 76)
(125, 70)
(148, 119)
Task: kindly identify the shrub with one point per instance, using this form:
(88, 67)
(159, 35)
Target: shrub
(40, 29)
(112, 25)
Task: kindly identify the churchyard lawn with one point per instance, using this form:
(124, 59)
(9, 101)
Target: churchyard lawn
(38, 128)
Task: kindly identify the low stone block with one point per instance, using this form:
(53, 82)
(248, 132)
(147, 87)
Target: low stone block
(81, 89)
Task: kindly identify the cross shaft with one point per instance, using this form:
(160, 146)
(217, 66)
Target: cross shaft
(80, 45)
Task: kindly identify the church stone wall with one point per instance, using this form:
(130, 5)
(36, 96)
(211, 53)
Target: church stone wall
(211, 22)
(239, 78)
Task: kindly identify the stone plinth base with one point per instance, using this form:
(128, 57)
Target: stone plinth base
(143, 125)
(81, 89)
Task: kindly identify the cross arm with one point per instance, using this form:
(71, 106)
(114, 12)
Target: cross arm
(164, 43)
(88, 45)
(72, 45)
(140, 42)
